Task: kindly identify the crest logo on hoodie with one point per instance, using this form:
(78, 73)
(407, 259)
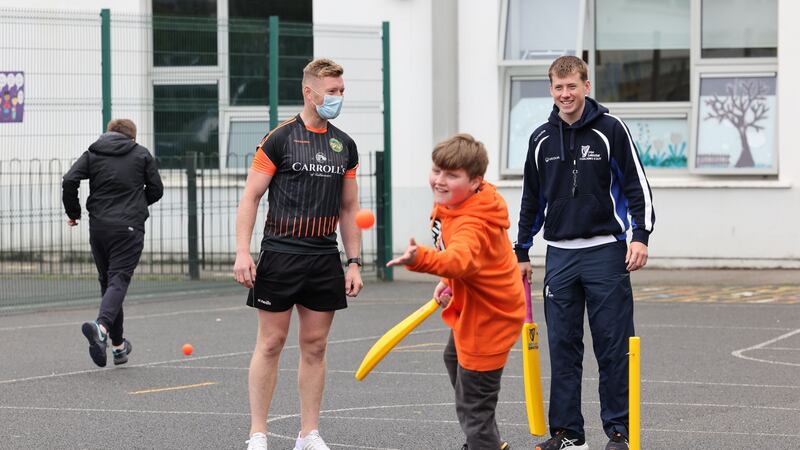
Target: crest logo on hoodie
(436, 231)
(587, 154)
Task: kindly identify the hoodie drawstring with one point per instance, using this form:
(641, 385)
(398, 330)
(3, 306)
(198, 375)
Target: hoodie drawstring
(561, 136)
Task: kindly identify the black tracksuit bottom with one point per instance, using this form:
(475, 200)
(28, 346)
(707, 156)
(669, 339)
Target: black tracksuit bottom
(594, 280)
(116, 252)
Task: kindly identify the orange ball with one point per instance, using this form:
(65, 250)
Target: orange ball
(187, 349)
(365, 219)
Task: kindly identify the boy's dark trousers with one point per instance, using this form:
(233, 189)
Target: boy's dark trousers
(594, 279)
(116, 252)
(476, 400)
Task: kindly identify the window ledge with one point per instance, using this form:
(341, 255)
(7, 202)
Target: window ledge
(684, 183)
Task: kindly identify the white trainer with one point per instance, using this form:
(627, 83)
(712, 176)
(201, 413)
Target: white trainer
(312, 441)
(258, 441)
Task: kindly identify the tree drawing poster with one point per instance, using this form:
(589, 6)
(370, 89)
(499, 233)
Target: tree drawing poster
(736, 123)
(12, 96)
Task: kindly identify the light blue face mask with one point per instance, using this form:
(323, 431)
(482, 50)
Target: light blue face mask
(331, 106)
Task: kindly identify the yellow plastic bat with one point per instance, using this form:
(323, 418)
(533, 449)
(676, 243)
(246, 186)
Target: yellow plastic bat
(392, 337)
(532, 373)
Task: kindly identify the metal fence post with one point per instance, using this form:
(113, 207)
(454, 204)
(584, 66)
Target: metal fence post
(274, 78)
(191, 205)
(386, 198)
(105, 57)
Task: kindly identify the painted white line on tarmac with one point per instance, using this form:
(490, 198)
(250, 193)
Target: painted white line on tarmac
(200, 358)
(740, 353)
(443, 374)
(711, 327)
(123, 411)
(525, 425)
(139, 317)
(173, 388)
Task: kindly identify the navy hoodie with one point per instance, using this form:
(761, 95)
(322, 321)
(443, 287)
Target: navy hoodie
(581, 182)
(123, 182)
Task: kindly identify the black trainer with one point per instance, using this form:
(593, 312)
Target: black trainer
(97, 342)
(561, 440)
(618, 441)
(121, 355)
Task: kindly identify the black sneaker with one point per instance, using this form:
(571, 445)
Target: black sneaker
(97, 342)
(121, 355)
(618, 441)
(562, 441)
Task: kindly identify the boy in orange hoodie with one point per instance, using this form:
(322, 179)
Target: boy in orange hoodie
(474, 257)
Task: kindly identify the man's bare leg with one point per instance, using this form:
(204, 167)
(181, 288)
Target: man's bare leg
(263, 375)
(314, 328)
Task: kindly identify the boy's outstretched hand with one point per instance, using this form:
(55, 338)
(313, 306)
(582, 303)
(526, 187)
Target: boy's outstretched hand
(407, 258)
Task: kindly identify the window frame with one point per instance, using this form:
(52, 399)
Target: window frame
(219, 75)
(179, 81)
(742, 67)
(511, 70)
(515, 74)
(518, 69)
(230, 114)
(658, 110)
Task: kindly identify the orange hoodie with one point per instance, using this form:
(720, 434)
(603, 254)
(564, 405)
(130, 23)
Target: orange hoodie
(476, 259)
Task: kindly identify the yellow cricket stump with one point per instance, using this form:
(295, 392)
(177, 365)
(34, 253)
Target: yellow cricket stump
(634, 393)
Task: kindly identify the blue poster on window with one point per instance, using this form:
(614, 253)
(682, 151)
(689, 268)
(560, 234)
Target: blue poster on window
(12, 96)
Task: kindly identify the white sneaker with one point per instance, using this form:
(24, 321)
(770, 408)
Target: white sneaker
(312, 441)
(258, 441)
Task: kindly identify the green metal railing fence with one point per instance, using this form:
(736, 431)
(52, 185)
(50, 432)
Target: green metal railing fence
(202, 91)
(190, 235)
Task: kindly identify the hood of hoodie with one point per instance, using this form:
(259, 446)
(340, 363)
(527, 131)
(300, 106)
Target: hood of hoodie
(591, 111)
(486, 205)
(113, 144)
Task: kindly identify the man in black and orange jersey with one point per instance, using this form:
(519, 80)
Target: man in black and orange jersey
(309, 167)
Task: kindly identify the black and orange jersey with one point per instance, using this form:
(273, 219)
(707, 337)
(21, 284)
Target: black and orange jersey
(308, 167)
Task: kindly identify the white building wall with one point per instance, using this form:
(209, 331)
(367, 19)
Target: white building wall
(411, 90)
(701, 221)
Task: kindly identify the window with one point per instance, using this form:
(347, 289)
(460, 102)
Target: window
(528, 47)
(662, 143)
(642, 50)
(243, 136)
(736, 123)
(528, 39)
(184, 33)
(694, 80)
(530, 105)
(248, 43)
(739, 28)
(185, 120)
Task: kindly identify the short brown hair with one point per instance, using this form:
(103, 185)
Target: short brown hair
(565, 66)
(124, 126)
(461, 151)
(321, 68)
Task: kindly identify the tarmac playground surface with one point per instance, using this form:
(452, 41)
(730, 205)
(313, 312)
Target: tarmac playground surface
(720, 370)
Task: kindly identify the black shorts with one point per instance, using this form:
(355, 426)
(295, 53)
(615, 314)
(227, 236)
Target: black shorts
(285, 279)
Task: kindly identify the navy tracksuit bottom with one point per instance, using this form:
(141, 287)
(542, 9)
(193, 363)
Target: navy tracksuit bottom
(116, 252)
(594, 280)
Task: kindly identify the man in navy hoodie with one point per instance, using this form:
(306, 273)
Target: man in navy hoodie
(123, 182)
(583, 177)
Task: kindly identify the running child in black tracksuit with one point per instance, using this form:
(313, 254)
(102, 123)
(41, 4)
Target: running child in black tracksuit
(583, 177)
(123, 182)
